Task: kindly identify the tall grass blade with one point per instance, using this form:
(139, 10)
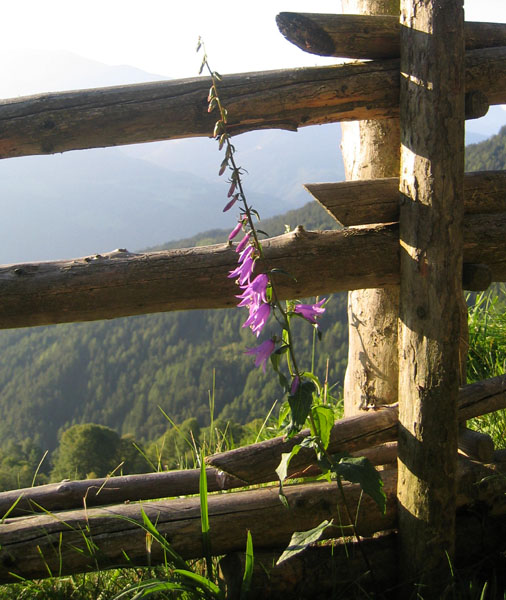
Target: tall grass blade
(38, 468)
(204, 518)
(249, 563)
(202, 582)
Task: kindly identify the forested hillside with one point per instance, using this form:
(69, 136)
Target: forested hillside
(120, 373)
(489, 155)
(117, 373)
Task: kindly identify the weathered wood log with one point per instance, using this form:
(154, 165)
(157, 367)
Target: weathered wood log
(98, 538)
(475, 278)
(111, 490)
(367, 36)
(476, 445)
(337, 567)
(377, 200)
(120, 283)
(431, 237)
(288, 99)
(489, 395)
(257, 463)
(475, 400)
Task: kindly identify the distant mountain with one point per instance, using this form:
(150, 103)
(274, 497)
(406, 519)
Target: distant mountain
(488, 155)
(118, 373)
(86, 202)
(92, 201)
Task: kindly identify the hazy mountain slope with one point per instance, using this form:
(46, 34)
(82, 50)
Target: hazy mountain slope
(118, 373)
(92, 201)
(487, 155)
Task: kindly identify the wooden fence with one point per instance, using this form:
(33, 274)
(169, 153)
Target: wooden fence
(74, 537)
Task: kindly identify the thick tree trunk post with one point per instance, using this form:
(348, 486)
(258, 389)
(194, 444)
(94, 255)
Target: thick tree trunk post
(371, 150)
(432, 169)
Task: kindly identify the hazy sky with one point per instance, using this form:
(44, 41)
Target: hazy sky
(159, 36)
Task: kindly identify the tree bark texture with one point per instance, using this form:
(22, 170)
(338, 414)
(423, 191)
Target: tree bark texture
(98, 538)
(431, 216)
(368, 36)
(287, 99)
(371, 150)
(120, 284)
(61, 542)
(357, 436)
(377, 200)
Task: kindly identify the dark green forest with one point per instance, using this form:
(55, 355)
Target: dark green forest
(120, 375)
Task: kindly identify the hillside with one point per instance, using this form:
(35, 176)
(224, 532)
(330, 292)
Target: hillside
(118, 373)
(489, 155)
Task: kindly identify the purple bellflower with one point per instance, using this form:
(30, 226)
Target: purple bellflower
(235, 230)
(262, 353)
(255, 293)
(258, 318)
(310, 311)
(242, 244)
(245, 269)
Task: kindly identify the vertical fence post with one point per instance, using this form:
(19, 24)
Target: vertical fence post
(371, 150)
(431, 186)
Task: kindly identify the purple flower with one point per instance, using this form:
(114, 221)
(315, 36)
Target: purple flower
(256, 292)
(295, 385)
(262, 353)
(310, 311)
(258, 318)
(244, 271)
(235, 230)
(242, 244)
(246, 253)
(231, 203)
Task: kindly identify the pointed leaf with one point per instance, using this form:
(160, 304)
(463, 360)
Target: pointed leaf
(286, 457)
(360, 470)
(301, 540)
(300, 404)
(248, 568)
(323, 418)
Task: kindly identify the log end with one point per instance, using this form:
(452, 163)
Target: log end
(305, 34)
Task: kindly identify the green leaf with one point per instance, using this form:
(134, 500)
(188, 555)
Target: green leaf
(323, 418)
(301, 540)
(248, 568)
(360, 470)
(286, 457)
(300, 404)
(282, 471)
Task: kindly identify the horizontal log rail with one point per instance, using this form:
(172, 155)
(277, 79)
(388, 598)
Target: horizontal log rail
(363, 202)
(367, 36)
(98, 538)
(286, 99)
(121, 284)
(357, 434)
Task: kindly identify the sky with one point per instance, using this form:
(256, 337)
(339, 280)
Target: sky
(159, 36)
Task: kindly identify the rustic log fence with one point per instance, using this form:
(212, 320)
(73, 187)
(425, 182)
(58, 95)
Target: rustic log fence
(82, 525)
